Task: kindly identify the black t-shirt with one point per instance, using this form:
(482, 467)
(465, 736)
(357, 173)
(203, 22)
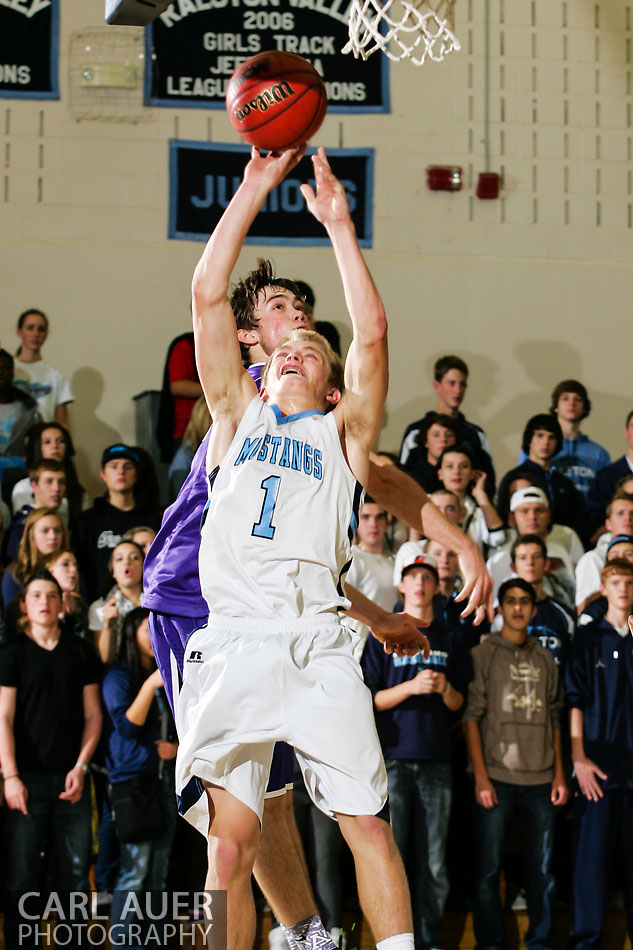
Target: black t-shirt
(98, 531)
(49, 715)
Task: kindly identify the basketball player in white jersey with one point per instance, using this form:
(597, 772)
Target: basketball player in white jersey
(274, 663)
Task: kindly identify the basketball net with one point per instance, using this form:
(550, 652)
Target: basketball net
(402, 29)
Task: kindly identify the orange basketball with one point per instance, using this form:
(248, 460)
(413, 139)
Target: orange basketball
(276, 100)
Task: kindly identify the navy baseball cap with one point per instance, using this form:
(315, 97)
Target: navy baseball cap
(118, 451)
(620, 539)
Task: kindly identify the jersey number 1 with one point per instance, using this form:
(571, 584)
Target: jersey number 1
(264, 528)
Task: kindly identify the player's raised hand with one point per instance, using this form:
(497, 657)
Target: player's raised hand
(271, 168)
(478, 585)
(400, 634)
(329, 203)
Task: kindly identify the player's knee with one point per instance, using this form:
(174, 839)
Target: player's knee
(232, 857)
(374, 833)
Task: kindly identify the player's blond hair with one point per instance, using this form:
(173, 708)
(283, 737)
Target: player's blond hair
(337, 371)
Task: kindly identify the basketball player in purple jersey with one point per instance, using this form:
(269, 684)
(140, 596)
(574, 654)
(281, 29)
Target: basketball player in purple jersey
(172, 589)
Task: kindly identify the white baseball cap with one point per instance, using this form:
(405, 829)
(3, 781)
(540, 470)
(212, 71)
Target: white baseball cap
(524, 495)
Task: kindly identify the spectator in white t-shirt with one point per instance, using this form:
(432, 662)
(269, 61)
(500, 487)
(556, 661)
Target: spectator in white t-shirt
(50, 389)
(372, 570)
(530, 514)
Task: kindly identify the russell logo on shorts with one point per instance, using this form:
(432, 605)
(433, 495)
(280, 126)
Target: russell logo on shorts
(195, 657)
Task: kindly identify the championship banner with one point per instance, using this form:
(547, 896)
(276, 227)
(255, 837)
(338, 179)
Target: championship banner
(29, 48)
(194, 46)
(204, 176)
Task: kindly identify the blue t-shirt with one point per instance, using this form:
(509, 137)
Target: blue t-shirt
(417, 728)
(130, 749)
(580, 460)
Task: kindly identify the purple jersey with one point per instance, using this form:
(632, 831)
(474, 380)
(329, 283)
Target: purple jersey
(171, 584)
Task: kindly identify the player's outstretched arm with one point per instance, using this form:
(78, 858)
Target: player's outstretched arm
(402, 496)
(217, 347)
(366, 367)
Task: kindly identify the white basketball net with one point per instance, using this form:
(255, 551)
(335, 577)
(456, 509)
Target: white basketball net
(402, 29)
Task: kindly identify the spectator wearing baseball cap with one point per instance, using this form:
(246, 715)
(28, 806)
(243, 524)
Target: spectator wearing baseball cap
(101, 527)
(414, 698)
(530, 513)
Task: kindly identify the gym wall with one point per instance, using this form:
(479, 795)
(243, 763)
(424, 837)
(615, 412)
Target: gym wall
(530, 288)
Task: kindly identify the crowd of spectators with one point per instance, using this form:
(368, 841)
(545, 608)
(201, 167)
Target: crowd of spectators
(503, 721)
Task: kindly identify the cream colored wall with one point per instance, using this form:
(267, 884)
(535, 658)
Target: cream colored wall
(529, 289)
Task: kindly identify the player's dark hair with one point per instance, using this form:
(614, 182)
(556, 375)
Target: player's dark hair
(445, 363)
(628, 418)
(527, 539)
(245, 295)
(516, 582)
(571, 386)
(129, 653)
(4, 354)
(440, 419)
(546, 422)
(306, 291)
(30, 312)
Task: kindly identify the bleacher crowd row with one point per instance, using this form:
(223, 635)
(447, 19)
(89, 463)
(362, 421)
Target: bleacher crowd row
(543, 693)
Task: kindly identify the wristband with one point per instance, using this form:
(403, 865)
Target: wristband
(83, 766)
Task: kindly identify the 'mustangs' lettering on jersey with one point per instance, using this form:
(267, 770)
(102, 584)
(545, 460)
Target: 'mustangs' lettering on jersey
(284, 452)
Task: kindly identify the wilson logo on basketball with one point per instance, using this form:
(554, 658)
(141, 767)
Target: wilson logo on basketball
(265, 99)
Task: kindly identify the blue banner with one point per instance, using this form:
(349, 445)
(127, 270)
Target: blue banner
(29, 49)
(194, 46)
(204, 176)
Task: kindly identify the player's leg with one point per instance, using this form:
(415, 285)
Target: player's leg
(280, 867)
(233, 839)
(330, 715)
(382, 884)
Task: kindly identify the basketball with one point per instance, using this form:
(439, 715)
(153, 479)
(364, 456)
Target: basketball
(276, 100)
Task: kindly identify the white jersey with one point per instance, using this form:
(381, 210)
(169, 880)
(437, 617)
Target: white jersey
(282, 513)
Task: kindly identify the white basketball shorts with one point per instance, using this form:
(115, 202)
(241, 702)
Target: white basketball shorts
(249, 683)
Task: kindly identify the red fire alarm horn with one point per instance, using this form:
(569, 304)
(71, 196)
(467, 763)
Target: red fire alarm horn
(488, 185)
(444, 177)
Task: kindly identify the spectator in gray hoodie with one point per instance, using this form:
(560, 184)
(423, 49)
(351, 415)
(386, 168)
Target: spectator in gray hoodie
(512, 724)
